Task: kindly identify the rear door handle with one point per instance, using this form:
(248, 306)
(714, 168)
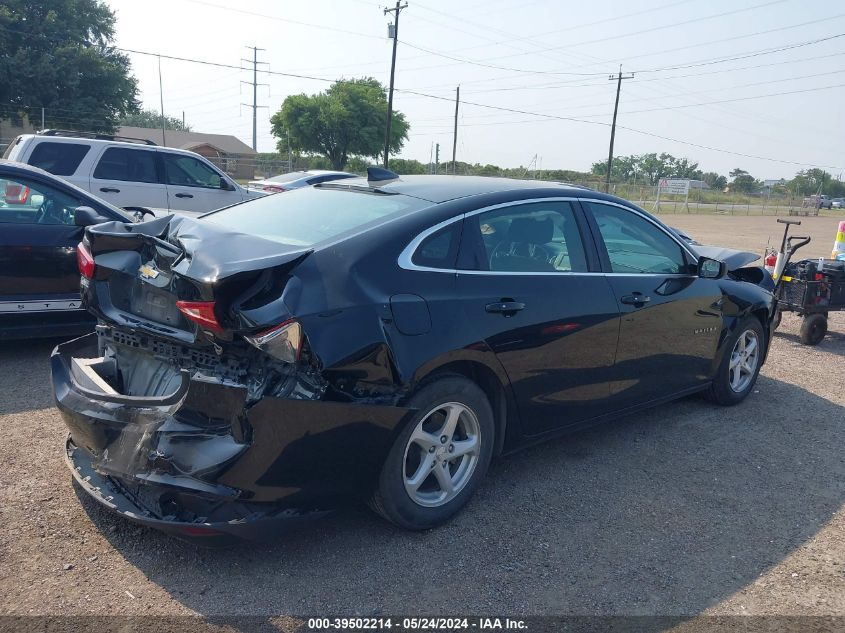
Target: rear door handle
(508, 308)
(636, 299)
(184, 195)
(109, 190)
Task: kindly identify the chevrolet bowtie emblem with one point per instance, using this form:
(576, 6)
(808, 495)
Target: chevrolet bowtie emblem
(148, 272)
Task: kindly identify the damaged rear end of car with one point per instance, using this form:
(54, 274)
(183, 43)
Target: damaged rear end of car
(199, 406)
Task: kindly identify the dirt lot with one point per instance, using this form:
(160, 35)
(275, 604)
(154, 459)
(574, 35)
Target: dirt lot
(752, 233)
(688, 509)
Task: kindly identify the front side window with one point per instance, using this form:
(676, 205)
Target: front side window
(129, 165)
(60, 159)
(635, 245)
(186, 171)
(530, 237)
(29, 202)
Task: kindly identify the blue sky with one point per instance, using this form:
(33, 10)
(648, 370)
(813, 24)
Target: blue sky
(538, 57)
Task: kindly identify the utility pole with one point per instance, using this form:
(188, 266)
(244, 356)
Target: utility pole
(161, 95)
(618, 79)
(254, 83)
(42, 119)
(455, 136)
(395, 32)
(436, 158)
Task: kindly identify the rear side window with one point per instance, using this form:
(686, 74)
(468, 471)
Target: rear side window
(60, 159)
(307, 216)
(133, 165)
(440, 249)
(532, 237)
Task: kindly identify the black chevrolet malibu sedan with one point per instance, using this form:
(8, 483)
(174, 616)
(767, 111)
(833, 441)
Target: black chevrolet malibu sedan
(381, 341)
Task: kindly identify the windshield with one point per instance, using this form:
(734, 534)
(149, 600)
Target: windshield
(308, 216)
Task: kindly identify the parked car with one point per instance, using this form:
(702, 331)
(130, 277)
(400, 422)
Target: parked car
(277, 359)
(837, 203)
(819, 202)
(41, 222)
(296, 179)
(130, 172)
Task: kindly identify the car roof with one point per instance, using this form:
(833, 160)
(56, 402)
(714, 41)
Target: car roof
(44, 138)
(439, 189)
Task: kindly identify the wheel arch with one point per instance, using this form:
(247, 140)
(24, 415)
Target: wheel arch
(489, 375)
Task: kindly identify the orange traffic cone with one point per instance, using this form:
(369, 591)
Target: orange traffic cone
(839, 244)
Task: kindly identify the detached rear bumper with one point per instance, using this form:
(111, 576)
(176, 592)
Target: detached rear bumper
(108, 493)
(202, 462)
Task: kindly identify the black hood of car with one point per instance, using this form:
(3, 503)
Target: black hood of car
(733, 258)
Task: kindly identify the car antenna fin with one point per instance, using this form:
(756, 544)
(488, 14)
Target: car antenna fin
(378, 175)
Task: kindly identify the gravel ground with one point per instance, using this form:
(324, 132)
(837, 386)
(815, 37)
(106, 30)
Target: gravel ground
(752, 233)
(683, 510)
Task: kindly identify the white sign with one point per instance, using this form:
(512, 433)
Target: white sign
(676, 186)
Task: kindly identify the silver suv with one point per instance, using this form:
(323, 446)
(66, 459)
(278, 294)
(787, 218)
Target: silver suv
(130, 172)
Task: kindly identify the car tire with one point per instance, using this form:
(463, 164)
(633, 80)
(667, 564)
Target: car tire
(729, 388)
(813, 329)
(776, 319)
(412, 493)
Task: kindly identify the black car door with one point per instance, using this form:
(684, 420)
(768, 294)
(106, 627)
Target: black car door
(38, 238)
(671, 319)
(530, 289)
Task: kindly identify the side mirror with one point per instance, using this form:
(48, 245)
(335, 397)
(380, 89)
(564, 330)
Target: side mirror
(86, 216)
(225, 185)
(711, 268)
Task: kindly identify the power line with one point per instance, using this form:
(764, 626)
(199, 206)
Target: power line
(693, 105)
(635, 130)
(281, 19)
(586, 42)
(699, 63)
(518, 111)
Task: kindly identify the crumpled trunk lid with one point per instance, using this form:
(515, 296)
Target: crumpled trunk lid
(142, 270)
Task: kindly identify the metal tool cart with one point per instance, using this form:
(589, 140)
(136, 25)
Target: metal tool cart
(811, 288)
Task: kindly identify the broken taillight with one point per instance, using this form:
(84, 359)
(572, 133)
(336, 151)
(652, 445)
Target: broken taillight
(85, 261)
(283, 341)
(200, 312)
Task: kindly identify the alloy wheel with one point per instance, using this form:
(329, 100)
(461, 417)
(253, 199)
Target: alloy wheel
(442, 454)
(744, 360)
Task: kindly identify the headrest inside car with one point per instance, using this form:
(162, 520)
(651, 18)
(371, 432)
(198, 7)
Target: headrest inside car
(531, 230)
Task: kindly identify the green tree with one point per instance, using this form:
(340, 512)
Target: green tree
(59, 55)
(152, 119)
(743, 182)
(648, 168)
(714, 180)
(346, 120)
